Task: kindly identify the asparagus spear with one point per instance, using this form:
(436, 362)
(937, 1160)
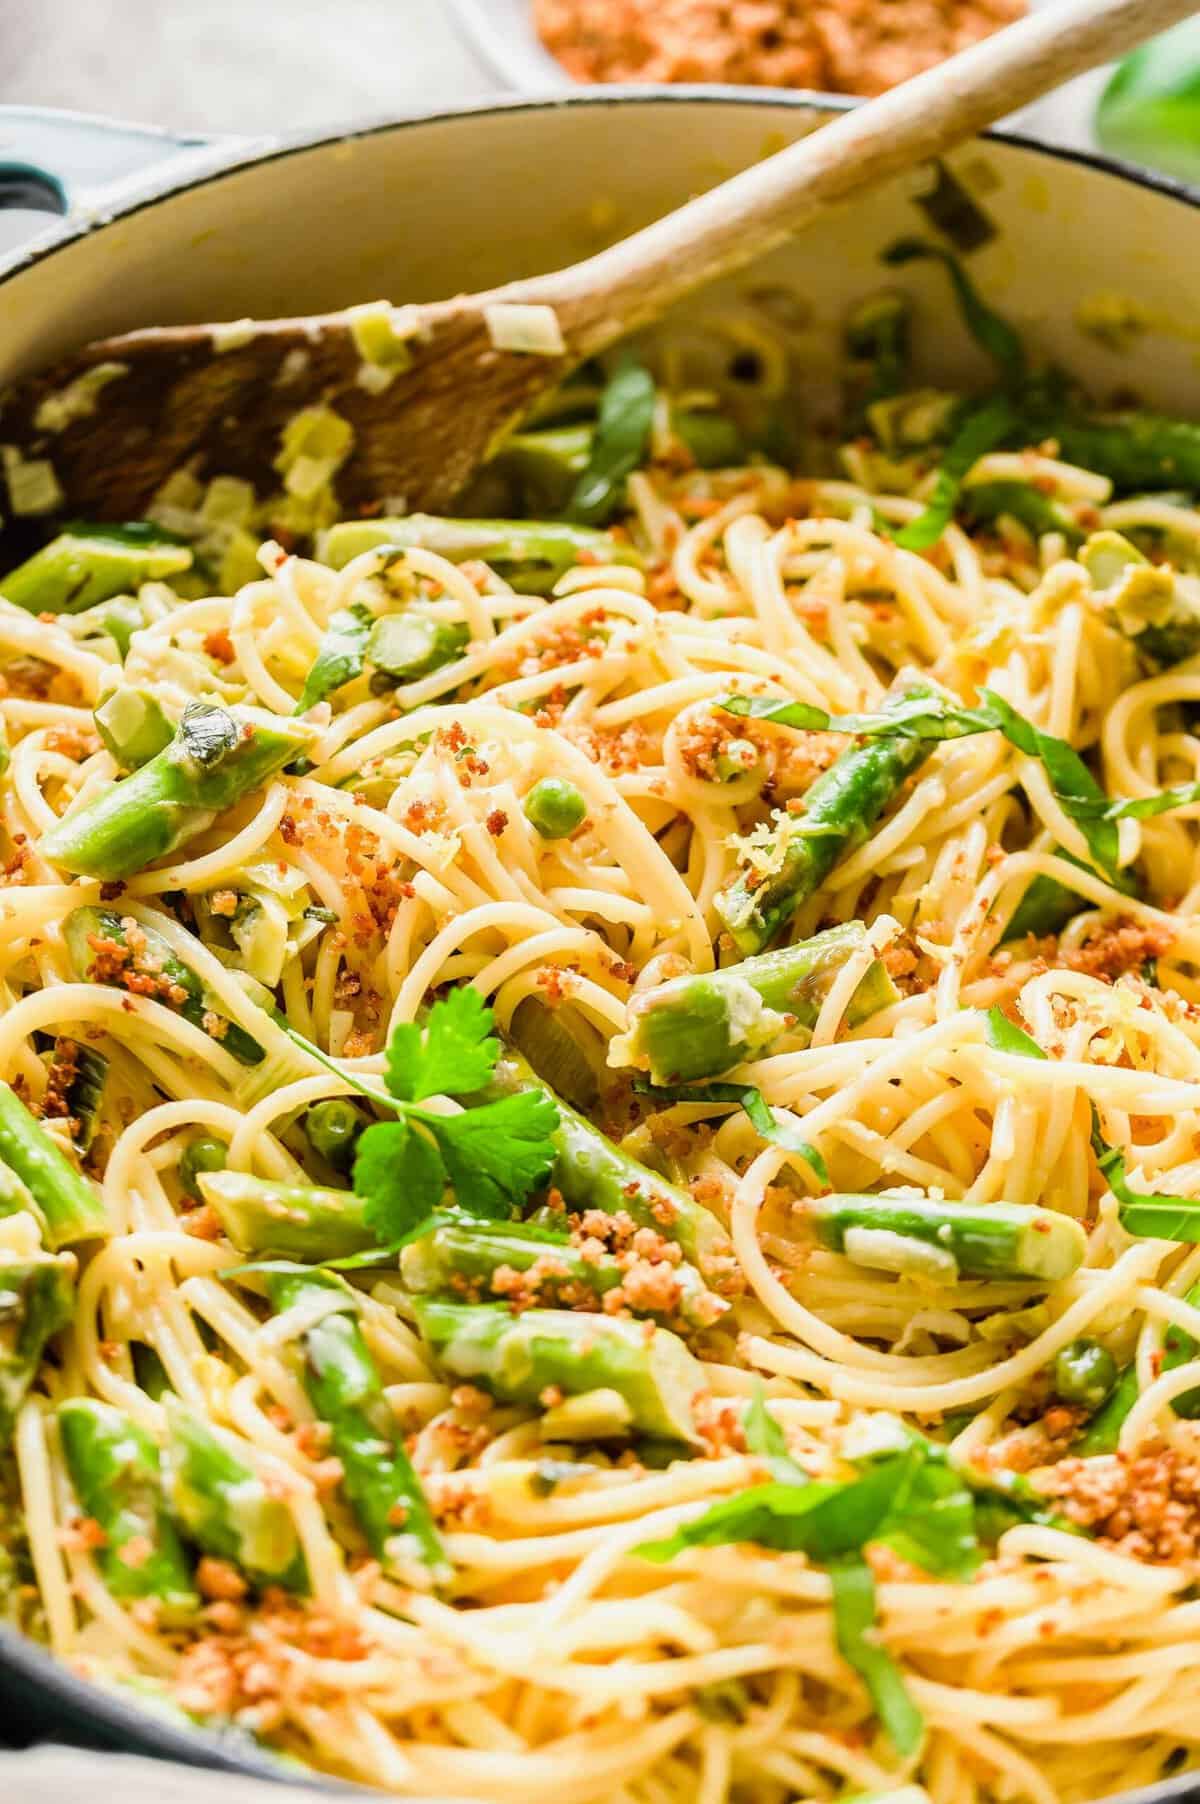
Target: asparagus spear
(217, 756)
(98, 940)
(532, 553)
(133, 726)
(87, 564)
(36, 1298)
(69, 1207)
(286, 1221)
(114, 1468)
(1104, 1430)
(464, 1256)
(1136, 450)
(591, 1173)
(942, 1240)
(840, 810)
(698, 1026)
(224, 1507)
(521, 1357)
(343, 1387)
(1038, 513)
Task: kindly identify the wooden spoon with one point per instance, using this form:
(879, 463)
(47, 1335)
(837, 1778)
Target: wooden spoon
(183, 398)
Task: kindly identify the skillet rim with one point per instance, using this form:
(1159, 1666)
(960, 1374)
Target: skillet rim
(91, 1715)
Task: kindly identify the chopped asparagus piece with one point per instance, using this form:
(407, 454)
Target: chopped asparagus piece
(698, 1026)
(105, 948)
(344, 1388)
(546, 465)
(520, 1358)
(592, 1173)
(1157, 609)
(532, 553)
(1104, 1430)
(70, 1209)
(217, 756)
(1137, 451)
(286, 1221)
(992, 1240)
(36, 1300)
(88, 564)
(114, 1468)
(410, 645)
(1021, 501)
(463, 1256)
(133, 726)
(224, 1507)
(840, 810)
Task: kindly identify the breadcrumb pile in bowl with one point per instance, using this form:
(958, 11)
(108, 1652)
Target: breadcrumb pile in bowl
(844, 46)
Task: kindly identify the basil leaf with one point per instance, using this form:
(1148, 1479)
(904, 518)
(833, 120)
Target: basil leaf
(981, 431)
(762, 1116)
(990, 330)
(340, 655)
(855, 1625)
(1004, 1035)
(765, 1438)
(618, 446)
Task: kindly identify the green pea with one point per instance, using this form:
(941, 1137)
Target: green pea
(333, 1129)
(555, 807)
(1084, 1372)
(202, 1154)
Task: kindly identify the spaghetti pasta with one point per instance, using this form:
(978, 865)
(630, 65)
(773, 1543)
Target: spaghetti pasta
(1010, 1039)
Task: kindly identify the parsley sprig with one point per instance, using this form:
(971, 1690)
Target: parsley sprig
(493, 1154)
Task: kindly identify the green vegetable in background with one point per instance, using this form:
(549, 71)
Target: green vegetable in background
(1150, 110)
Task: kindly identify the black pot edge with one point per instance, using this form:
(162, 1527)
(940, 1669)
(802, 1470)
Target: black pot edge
(54, 1702)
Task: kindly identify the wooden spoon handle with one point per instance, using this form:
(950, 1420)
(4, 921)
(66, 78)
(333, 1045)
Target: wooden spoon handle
(632, 282)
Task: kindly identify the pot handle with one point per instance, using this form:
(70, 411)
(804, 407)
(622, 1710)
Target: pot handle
(55, 162)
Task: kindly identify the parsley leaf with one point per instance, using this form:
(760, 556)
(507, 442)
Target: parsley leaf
(399, 1175)
(454, 1053)
(497, 1153)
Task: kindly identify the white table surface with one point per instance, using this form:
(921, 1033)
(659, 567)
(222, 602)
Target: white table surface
(235, 65)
